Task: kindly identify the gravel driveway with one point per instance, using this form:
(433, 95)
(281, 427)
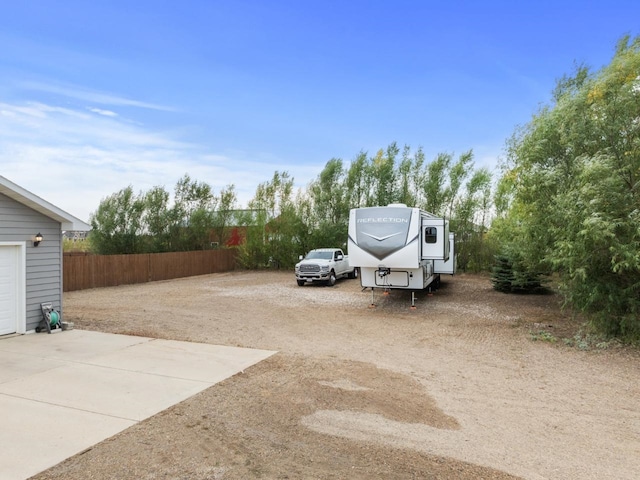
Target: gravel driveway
(469, 384)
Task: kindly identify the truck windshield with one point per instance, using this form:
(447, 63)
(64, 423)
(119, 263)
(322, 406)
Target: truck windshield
(319, 255)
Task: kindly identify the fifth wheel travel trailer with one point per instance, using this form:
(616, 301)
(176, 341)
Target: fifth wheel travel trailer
(400, 247)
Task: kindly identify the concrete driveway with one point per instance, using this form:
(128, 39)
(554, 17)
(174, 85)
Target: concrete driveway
(64, 392)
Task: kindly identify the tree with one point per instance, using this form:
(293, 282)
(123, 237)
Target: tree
(307, 228)
(327, 193)
(468, 223)
(224, 214)
(508, 275)
(383, 177)
(358, 182)
(434, 185)
(391, 177)
(330, 210)
(411, 177)
(191, 219)
(253, 252)
(126, 223)
(458, 173)
(574, 171)
(156, 219)
(272, 239)
(117, 224)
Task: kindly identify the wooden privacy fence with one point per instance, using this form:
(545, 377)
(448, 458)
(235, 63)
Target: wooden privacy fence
(82, 271)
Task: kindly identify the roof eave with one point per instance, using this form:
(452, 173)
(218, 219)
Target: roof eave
(20, 195)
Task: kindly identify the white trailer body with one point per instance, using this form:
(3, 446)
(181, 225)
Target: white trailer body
(399, 247)
(447, 266)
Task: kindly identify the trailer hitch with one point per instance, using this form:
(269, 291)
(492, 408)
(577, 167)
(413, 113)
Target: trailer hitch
(383, 271)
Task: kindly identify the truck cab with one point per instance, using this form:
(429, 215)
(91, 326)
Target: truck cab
(324, 265)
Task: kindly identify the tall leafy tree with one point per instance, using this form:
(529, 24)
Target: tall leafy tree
(191, 217)
(574, 171)
(224, 215)
(273, 238)
(358, 181)
(117, 223)
(468, 223)
(306, 224)
(435, 184)
(457, 174)
(156, 219)
(129, 223)
(382, 169)
(328, 193)
(411, 177)
(329, 198)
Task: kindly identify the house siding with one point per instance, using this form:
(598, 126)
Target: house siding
(19, 223)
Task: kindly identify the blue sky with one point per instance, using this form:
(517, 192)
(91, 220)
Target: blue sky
(99, 95)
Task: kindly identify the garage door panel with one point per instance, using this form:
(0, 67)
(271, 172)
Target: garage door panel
(8, 290)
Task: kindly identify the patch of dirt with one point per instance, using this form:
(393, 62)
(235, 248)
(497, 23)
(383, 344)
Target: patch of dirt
(462, 386)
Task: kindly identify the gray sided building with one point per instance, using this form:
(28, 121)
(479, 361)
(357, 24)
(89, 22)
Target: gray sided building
(30, 271)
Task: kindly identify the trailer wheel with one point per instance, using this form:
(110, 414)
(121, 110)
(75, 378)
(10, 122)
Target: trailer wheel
(301, 283)
(332, 279)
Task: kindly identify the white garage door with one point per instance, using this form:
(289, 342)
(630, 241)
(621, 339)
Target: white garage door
(8, 289)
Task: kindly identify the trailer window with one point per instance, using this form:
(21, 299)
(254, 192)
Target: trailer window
(431, 235)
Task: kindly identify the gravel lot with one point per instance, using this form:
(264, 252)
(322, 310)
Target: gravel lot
(468, 385)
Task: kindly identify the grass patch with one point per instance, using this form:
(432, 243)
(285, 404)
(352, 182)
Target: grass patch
(543, 336)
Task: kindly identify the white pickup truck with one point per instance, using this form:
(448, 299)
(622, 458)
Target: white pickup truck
(324, 265)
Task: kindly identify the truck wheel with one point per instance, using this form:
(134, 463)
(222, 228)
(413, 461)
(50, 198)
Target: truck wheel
(355, 273)
(332, 279)
(301, 283)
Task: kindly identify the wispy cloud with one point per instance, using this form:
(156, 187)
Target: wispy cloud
(106, 113)
(91, 96)
(74, 159)
(35, 110)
